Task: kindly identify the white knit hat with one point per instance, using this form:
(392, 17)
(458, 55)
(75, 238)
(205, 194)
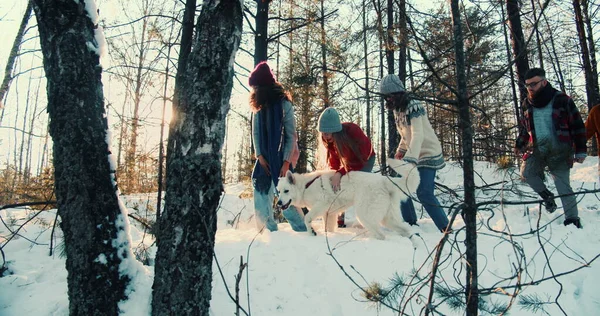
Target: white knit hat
(391, 84)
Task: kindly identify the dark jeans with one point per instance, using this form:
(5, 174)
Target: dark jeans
(426, 197)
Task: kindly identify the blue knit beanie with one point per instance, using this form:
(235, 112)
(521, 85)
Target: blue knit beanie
(329, 121)
(391, 84)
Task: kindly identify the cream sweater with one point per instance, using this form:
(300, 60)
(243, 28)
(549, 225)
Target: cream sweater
(419, 143)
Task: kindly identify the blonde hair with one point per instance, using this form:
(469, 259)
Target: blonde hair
(341, 140)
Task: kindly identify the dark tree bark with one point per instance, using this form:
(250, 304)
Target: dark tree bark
(394, 138)
(470, 209)
(591, 81)
(593, 62)
(538, 40)
(187, 33)
(518, 44)
(187, 227)
(511, 72)
(91, 220)
(402, 46)
(590, 41)
(261, 36)
(12, 57)
(366, 63)
(326, 101)
(382, 41)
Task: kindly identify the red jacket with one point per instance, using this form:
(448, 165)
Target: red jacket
(363, 142)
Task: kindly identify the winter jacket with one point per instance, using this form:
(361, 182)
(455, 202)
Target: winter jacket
(419, 143)
(568, 125)
(355, 133)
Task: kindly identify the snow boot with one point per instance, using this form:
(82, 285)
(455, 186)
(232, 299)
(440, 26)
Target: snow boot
(548, 198)
(575, 221)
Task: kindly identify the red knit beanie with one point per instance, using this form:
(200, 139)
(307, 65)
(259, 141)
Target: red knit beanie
(261, 75)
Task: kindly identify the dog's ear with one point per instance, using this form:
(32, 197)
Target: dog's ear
(290, 177)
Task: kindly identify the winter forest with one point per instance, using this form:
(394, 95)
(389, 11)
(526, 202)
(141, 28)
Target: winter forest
(105, 100)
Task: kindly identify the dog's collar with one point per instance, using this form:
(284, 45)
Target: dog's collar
(311, 182)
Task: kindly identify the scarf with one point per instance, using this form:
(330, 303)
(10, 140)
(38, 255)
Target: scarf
(543, 97)
(270, 125)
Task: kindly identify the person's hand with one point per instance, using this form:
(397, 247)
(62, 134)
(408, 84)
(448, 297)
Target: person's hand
(580, 159)
(399, 155)
(335, 181)
(264, 164)
(284, 169)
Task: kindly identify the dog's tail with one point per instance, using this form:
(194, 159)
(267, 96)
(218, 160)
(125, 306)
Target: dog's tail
(408, 177)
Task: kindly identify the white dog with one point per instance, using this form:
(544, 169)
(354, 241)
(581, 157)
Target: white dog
(376, 198)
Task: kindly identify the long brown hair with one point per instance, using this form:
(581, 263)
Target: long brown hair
(399, 101)
(341, 140)
(264, 96)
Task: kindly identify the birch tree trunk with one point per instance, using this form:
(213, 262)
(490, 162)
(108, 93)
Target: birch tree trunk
(96, 242)
(187, 227)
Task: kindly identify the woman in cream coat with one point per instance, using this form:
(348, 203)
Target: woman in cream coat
(419, 145)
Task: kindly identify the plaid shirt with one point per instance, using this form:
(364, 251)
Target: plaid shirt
(567, 122)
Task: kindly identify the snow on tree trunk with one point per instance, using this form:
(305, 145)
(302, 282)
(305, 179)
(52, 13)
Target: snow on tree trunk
(94, 228)
(186, 232)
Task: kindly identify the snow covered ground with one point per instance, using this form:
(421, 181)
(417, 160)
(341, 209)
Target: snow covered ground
(295, 274)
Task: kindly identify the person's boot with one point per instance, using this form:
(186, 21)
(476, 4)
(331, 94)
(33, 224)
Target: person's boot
(575, 221)
(340, 221)
(548, 198)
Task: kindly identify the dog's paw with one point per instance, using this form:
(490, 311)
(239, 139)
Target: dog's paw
(413, 240)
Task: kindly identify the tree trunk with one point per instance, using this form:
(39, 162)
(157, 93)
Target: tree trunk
(187, 34)
(187, 227)
(94, 226)
(131, 170)
(366, 63)
(518, 44)
(591, 81)
(29, 154)
(12, 57)
(470, 209)
(21, 172)
(382, 151)
(261, 36)
(555, 52)
(593, 62)
(402, 46)
(538, 40)
(326, 101)
(393, 138)
(515, 98)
